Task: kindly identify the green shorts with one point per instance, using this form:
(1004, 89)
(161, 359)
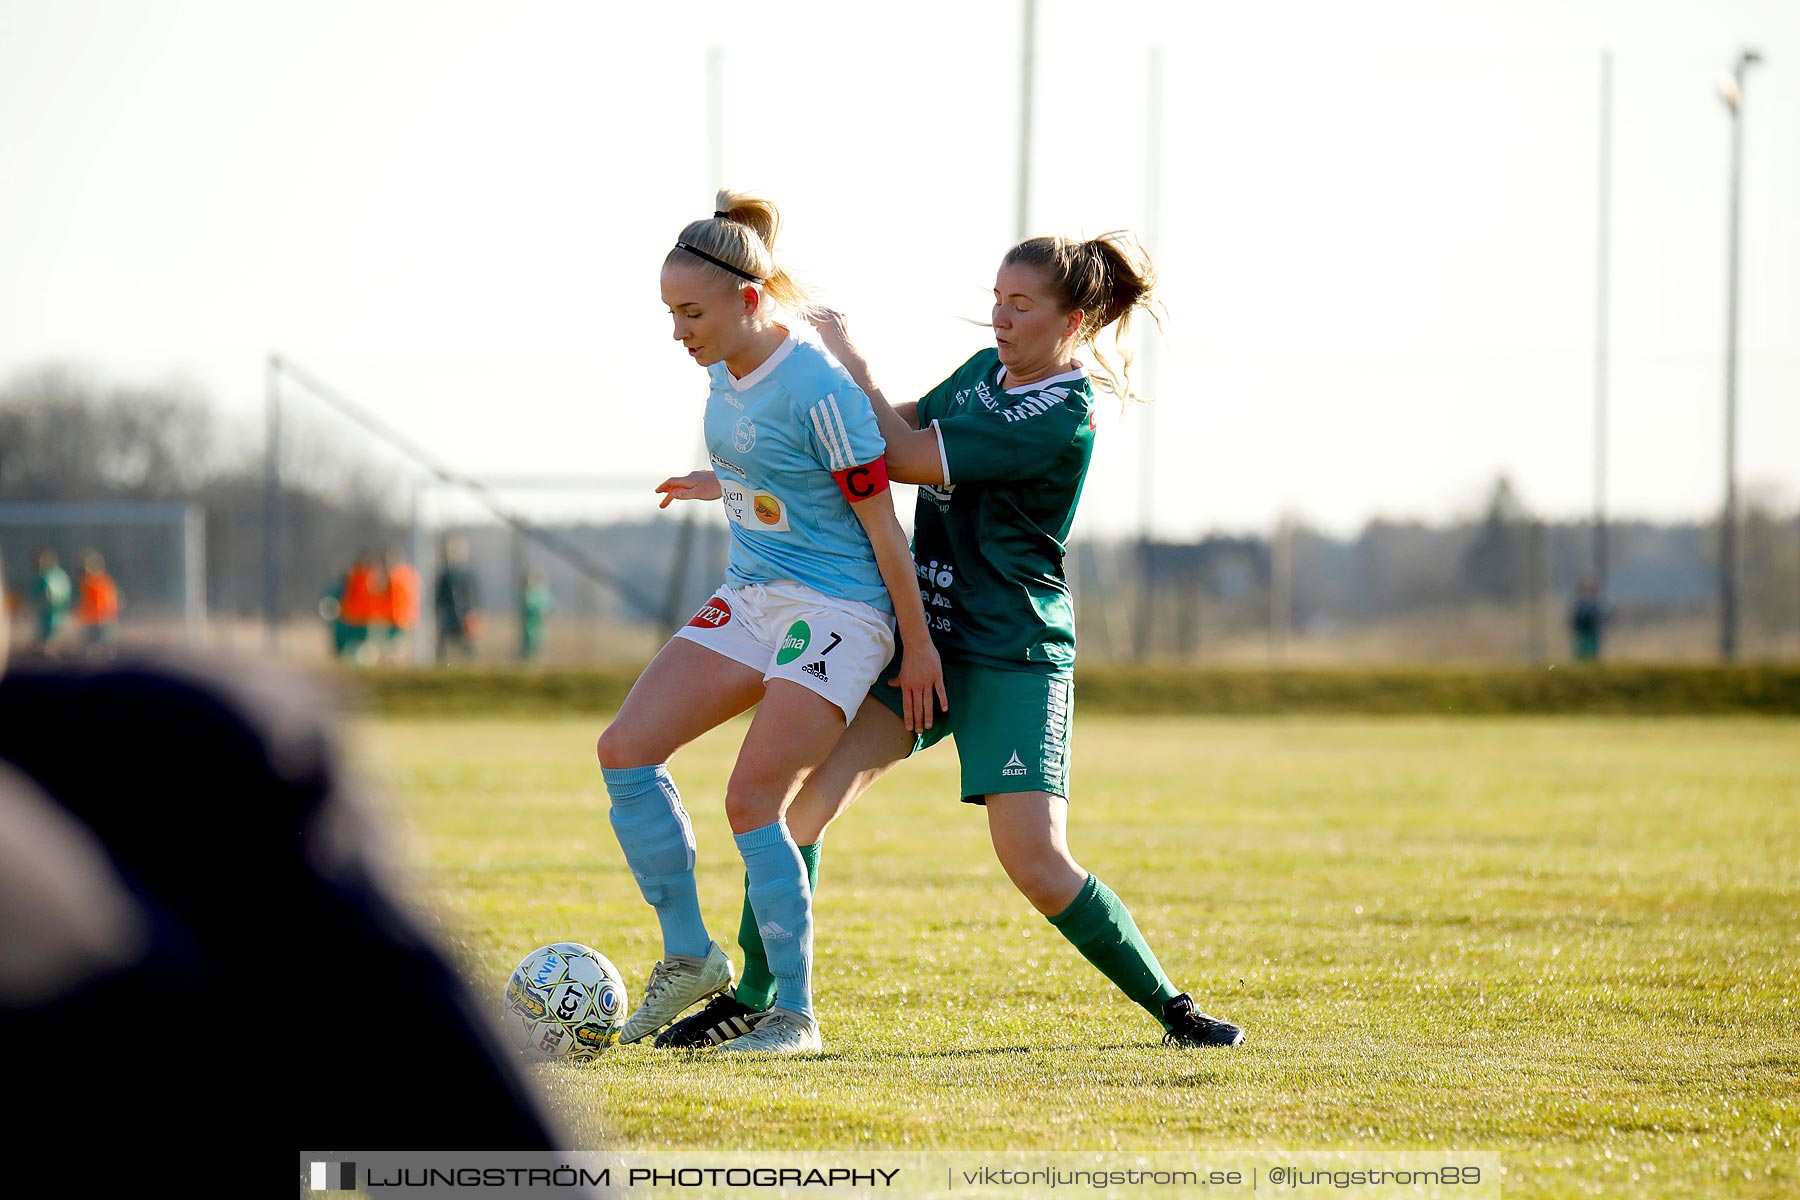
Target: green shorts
(1011, 727)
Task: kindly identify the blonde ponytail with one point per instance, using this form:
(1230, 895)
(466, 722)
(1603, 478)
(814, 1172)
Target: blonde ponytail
(737, 244)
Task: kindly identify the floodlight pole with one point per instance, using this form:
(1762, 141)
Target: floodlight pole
(1602, 285)
(272, 507)
(715, 172)
(1733, 95)
(1027, 70)
(1153, 146)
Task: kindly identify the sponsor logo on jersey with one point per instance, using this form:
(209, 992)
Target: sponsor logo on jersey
(985, 396)
(1013, 766)
(935, 573)
(760, 511)
(772, 931)
(729, 466)
(744, 436)
(794, 644)
(712, 614)
(817, 671)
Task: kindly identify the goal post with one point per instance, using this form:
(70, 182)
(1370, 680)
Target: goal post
(155, 549)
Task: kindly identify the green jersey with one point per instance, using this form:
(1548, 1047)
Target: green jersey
(988, 543)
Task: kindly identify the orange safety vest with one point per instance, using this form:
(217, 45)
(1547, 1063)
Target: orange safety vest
(99, 603)
(402, 596)
(361, 605)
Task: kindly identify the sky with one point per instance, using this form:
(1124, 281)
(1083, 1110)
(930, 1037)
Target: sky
(1376, 228)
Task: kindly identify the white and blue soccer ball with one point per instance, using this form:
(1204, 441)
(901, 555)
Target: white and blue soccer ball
(564, 1003)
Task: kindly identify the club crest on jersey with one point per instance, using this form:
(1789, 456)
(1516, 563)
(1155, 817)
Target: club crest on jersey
(744, 436)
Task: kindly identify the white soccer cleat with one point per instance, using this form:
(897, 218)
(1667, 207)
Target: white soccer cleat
(778, 1031)
(677, 983)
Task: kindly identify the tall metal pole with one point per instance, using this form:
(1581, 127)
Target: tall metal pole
(1602, 286)
(1153, 140)
(1027, 70)
(715, 176)
(272, 507)
(715, 117)
(1728, 565)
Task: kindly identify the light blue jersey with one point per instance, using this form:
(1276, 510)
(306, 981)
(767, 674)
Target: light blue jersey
(776, 436)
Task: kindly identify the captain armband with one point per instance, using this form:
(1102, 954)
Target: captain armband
(859, 483)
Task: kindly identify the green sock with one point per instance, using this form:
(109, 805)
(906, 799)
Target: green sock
(1098, 924)
(756, 986)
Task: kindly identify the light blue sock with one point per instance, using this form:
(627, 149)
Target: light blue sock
(783, 906)
(658, 841)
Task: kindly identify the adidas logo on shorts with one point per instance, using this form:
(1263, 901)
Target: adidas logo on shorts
(817, 671)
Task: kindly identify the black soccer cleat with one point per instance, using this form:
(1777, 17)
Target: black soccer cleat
(1188, 1026)
(726, 1017)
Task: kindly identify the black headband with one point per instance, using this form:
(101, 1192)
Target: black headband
(719, 262)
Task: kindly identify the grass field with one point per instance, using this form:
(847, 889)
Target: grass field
(1572, 941)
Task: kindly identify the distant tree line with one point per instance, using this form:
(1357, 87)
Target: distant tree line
(64, 435)
(67, 436)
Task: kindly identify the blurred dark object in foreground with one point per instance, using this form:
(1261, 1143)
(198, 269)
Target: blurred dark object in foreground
(196, 937)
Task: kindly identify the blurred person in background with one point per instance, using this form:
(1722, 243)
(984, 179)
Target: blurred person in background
(361, 606)
(52, 596)
(98, 608)
(400, 604)
(535, 606)
(1587, 616)
(457, 601)
(331, 611)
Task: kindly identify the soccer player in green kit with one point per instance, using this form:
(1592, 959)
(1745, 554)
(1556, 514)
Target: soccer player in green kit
(1001, 450)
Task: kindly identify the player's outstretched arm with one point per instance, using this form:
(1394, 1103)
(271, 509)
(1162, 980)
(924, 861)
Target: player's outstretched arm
(921, 672)
(912, 453)
(695, 485)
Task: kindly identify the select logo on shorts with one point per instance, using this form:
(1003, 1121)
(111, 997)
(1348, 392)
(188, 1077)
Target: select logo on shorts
(712, 615)
(333, 1177)
(799, 637)
(1013, 766)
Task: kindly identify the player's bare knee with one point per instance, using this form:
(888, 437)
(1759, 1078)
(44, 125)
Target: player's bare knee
(1047, 879)
(619, 749)
(750, 807)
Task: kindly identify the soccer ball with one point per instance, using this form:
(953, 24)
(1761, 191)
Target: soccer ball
(564, 1003)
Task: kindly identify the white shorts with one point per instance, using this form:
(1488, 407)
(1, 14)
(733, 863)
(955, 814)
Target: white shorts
(789, 631)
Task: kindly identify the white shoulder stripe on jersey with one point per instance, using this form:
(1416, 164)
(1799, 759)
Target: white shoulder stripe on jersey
(837, 452)
(837, 416)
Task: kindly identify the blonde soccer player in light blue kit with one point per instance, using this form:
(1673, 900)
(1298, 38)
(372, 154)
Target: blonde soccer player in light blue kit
(819, 575)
